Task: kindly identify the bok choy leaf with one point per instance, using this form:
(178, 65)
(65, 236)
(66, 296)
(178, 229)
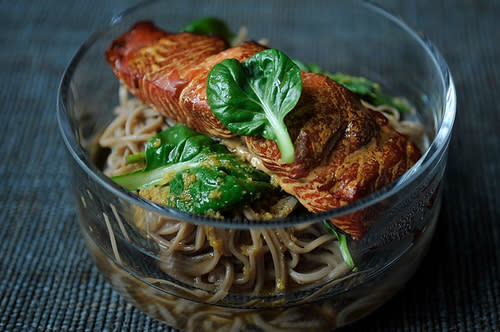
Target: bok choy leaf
(209, 26)
(196, 174)
(364, 88)
(252, 98)
(342, 241)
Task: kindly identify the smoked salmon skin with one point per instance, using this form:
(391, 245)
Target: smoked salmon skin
(343, 151)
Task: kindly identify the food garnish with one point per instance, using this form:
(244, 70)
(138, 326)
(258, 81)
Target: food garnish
(252, 98)
(367, 90)
(343, 246)
(194, 173)
(209, 26)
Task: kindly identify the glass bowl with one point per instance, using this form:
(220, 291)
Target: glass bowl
(353, 37)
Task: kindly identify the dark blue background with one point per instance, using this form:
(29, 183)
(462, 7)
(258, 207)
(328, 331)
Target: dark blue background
(47, 281)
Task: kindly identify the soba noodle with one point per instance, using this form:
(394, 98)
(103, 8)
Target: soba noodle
(222, 261)
(252, 262)
(209, 263)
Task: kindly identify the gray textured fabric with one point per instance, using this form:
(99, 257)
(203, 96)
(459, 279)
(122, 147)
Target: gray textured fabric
(47, 281)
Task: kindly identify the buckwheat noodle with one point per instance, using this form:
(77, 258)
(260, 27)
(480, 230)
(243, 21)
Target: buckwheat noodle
(221, 260)
(218, 261)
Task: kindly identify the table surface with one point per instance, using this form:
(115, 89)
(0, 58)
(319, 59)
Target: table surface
(47, 280)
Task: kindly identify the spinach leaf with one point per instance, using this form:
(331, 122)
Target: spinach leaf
(342, 241)
(209, 26)
(201, 175)
(252, 98)
(364, 88)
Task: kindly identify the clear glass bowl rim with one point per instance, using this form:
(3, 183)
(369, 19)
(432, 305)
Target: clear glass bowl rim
(438, 145)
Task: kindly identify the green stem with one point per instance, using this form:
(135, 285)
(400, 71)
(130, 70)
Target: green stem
(139, 157)
(285, 145)
(283, 139)
(342, 241)
(142, 179)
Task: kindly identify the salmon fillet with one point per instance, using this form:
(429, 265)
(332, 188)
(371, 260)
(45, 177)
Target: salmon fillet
(343, 151)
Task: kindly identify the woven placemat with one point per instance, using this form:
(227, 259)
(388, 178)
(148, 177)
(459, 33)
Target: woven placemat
(47, 280)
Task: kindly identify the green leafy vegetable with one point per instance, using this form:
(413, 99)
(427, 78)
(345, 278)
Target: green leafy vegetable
(364, 88)
(209, 26)
(177, 144)
(135, 158)
(342, 240)
(252, 98)
(201, 174)
(217, 184)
